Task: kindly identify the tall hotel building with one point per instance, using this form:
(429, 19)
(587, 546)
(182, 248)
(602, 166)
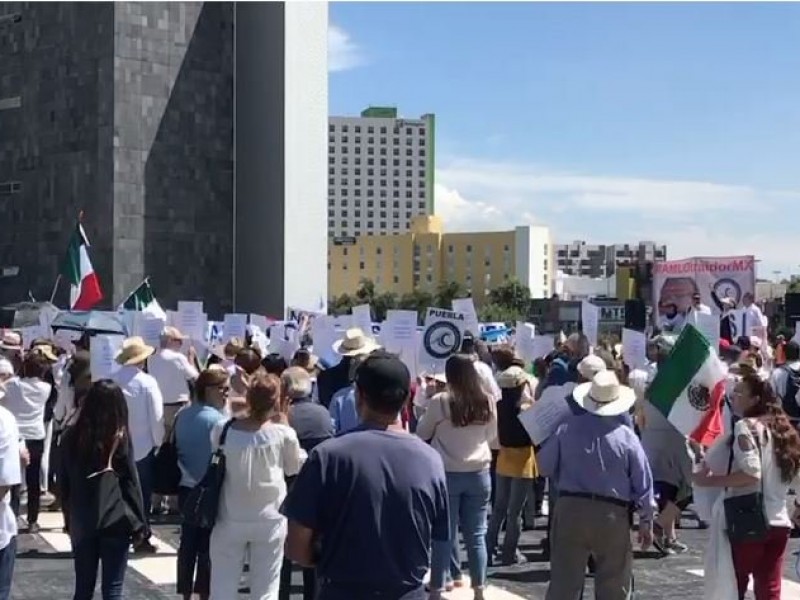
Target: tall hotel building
(380, 172)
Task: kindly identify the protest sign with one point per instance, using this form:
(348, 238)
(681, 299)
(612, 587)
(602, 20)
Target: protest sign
(191, 320)
(634, 348)
(525, 347)
(29, 334)
(399, 336)
(714, 278)
(441, 338)
(234, 326)
(706, 324)
(467, 307)
(590, 320)
(149, 328)
(362, 318)
(66, 338)
(542, 345)
(324, 334)
(103, 349)
(543, 418)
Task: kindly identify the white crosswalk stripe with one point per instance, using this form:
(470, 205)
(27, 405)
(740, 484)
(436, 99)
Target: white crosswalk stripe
(790, 590)
(160, 568)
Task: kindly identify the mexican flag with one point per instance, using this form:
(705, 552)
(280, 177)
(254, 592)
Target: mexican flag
(144, 300)
(689, 386)
(77, 269)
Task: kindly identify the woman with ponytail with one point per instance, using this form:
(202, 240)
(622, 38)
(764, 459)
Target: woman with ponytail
(764, 456)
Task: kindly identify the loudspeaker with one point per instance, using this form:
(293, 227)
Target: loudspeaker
(635, 315)
(791, 305)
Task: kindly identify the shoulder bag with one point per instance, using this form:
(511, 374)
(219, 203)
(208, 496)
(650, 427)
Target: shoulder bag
(202, 503)
(745, 518)
(112, 514)
(166, 472)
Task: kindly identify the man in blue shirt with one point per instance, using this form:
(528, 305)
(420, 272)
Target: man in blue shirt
(601, 472)
(353, 347)
(367, 506)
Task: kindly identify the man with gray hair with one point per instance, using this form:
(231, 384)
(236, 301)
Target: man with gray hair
(310, 420)
(173, 372)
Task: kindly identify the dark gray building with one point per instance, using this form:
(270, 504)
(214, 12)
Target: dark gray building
(597, 260)
(135, 113)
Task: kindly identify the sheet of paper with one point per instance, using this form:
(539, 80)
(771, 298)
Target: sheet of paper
(343, 322)
(590, 318)
(192, 324)
(543, 418)
(259, 321)
(234, 326)
(399, 335)
(102, 351)
(149, 328)
(29, 334)
(324, 335)
(542, 345)
(708, 325)
(524, 342)
(190, 306)
(467, 306)
(362, 318)
(634, 348)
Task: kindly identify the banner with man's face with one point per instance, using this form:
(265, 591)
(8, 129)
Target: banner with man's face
(714, 278)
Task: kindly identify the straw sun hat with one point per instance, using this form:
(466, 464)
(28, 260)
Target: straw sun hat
(355, 343)
(604, 396)
(134, 351)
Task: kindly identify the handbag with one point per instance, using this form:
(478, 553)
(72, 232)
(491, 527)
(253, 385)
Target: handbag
(113, 515)
(166, 472)
(745, 518)
(202, 503)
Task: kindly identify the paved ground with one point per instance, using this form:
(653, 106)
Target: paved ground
(44, 570)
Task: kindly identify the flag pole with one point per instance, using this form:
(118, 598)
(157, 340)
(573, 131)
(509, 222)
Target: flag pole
(55, 288)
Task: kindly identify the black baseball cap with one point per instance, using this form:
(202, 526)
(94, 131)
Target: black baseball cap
(384, 380)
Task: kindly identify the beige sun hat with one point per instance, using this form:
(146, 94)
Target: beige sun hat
(11, 341)
(134, 351)
(172, 333)
(591, 366)
(513, 377)
(355, 343)
(604, 396)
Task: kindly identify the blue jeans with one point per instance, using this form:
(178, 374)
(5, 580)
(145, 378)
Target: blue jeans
(194, 563)
(145, 469)
(468, 494)
(112, 552)
(508, 504)
(8, 556)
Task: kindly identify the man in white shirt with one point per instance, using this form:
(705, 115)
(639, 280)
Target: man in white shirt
(10, 475)
(145, 415)
(173, 372)
(697, 306)
(751, 315)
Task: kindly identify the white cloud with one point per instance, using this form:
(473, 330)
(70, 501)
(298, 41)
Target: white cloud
(343, 52)
(691, 217)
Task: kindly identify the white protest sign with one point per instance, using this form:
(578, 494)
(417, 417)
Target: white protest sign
(467, 307)
(191, 320)
(234, 326)
(259, 321)
(343, 322)
(708, 325)
(65, 339)
(634, 348)
(362, 318)
(284, 340)
(543, 418)
(103, 349)
(149, 328)
(29, 334)
(399, 336)
(187, 306)
(524, 341)
(441, 338)
(323, 332)
(590, 319)
(542, 345)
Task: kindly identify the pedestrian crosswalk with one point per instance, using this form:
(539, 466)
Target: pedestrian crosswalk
(160, 568)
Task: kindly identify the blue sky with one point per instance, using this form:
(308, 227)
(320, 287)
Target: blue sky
(608, 122)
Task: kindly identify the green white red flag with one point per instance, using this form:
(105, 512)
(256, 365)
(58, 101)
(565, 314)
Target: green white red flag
(689, 387)
(77, 269)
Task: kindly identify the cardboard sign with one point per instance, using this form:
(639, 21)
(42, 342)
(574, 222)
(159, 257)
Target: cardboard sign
(441, 338)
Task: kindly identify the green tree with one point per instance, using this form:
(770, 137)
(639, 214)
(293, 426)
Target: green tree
(418, 300)
(365, 294)
(382, 303)
(492, 312)
(342, 305)
(512, 295)
(447, 291)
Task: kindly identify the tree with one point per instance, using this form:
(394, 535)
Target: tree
(365, 294)
(497, 313)
(382, 303)
(512, 295)
(342, 305)
(418, 300)
(447, 291)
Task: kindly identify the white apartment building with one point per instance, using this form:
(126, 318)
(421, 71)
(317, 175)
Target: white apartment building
(380, 172)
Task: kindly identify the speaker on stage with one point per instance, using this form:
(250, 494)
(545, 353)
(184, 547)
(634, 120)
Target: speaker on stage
(635, 315)
(791, 305)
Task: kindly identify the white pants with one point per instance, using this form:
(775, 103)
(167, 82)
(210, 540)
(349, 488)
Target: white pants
(229, 543)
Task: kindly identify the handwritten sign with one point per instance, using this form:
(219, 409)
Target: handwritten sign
(634, 348)
(399, 336)
(543, 418)
(103, 349)
(524, 340)
(149, 328)
(542, 345)
(467, 307)
(362, 318)
(708, 325)
(234, 326)
(590, 318)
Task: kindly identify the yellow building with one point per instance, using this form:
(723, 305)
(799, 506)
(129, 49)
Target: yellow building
(426, 256)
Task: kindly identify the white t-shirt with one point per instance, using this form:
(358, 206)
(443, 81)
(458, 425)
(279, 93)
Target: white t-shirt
(172, 370)
(488, 380)
(10, 474)
(26, 399)
(256, 464)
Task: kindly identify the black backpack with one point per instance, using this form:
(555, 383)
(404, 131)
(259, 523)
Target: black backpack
(788, 401)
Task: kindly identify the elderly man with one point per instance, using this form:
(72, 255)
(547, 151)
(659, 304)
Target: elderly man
(354, 347)
(174, 372)
(602, 474)
(751, 315)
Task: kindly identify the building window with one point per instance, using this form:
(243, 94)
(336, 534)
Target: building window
(408, 130)
(370, 224)
(345, 139)
(409, 152)
(370, 129)
(422, 151)
(358, 128)
(422, 195)
(383, 151)
(421, 163)
(358, 149)
(370, 150)
(396, 151)
(370, 161)
(370, 172)
(408, 194)
(383, 172)
(371, 140)
(383, 130)
(396, 279)
(331, 128)
(408, 163)
(383, 224)
(383, 162)
(344, 128)
(396, 194)
(469, 248)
